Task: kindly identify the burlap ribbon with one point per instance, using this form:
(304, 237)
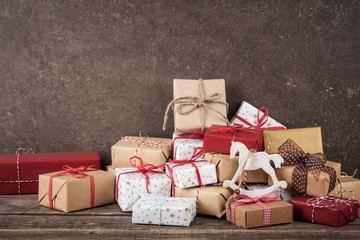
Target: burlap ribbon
(187, 105)
(313, 163)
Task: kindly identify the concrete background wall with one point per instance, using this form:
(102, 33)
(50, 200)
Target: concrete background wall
(78, 75)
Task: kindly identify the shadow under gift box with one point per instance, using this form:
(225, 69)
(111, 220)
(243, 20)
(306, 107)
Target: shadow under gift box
(31, 165)
(71, 194)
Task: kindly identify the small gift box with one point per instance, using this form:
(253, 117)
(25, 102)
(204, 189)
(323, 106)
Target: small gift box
(151, 209)
(347, 187)
(183, 147)
(76, 188)
(197, 104)
(154, 151)
(249, 116)
(226, 168)
(266, 210)
(218, 138)
(329, 210)
(211, 199)
(132, 182)
(306, 173)
(282, 194)
(19, 173)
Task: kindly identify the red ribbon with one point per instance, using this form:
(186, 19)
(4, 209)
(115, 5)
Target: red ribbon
(260, 121)
(195, 135)
(141, 168)
(75, 173)
(198, 152)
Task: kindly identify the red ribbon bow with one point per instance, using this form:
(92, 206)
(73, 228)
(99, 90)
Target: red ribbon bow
(75, 173)
(261, 121)
(242, 199)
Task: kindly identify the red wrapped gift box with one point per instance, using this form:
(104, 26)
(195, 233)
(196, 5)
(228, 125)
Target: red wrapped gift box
(329, 210)
(30, 165)
(218, 138)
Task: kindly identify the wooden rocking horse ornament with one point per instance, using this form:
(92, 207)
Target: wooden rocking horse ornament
(253, 161)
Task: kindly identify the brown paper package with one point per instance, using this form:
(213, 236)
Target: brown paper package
(110, 168)
(72, 194)
(226, 168)
(122, 151)
(251, 215)
(212, 199)
(192, 122)
(348, 183)
(315, 188)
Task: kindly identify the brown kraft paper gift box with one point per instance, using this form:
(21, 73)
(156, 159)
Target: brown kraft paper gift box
(226, 168)
(190, 88)
(212, 199)
(251, 215)
(347, 183)
(122, 151)
(72, 194)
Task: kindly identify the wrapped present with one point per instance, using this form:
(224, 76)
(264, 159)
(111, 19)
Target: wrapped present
(142, 178)
(197, 104)
(211, 199)
(282, 194)
(19, 173)
(76, 188)
(110, 168)
(218, 138)
(346, 187)
(266, 210)
(150, 209)
(184, 146)
(306, 173)
(310, 139)
(226, 168)
(329, 210)
(251, 117)
(154, 151)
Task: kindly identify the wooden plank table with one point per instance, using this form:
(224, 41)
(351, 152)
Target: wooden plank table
(21, 217)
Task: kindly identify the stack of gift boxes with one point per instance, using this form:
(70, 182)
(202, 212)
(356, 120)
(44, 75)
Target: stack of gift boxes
(170, 181)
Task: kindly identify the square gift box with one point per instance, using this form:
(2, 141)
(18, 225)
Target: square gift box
(151, 209)
(131, 185)
(183, 146)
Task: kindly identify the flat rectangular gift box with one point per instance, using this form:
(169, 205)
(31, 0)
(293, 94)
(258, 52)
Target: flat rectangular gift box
(31, 165)
(184, 146)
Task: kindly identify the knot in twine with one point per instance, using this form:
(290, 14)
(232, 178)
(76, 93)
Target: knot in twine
(187, 105)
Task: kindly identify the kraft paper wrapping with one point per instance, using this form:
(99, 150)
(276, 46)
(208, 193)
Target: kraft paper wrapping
(211, 199)
(318, 188)
(309, 139)
(71, 194)
(164, 211)
(251, 215)
(226, 168)
(122, 151)
(132, 185)
(283, 194)
(185, 175)
(110, 168)
(250, 114)
(347, 183)
(192, 122)
(184, 148)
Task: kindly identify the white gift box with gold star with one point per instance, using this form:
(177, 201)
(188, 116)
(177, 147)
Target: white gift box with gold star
(131, 185)
(185, 175)
(151, 209)
(250, 113)
(183, 148)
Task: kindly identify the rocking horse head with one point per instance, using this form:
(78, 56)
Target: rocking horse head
(237, 147)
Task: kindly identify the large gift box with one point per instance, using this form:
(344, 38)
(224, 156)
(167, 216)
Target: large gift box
(154, 151)
(151, 209)
(218, 138)
(76, 188)
(19, 172)
(211, 199)
(226, 168)
(131, 183)
(249, 116)
(347, 187)
(327, 210)
(183, 146)
(198, 104)
(256, 212)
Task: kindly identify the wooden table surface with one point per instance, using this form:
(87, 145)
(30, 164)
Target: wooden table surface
(21, 217)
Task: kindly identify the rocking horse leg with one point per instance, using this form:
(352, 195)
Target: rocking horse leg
(231, 184)
(271, 172)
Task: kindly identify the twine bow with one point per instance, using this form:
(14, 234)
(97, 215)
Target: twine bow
(313, 163)
(261, 121)
(187, 105)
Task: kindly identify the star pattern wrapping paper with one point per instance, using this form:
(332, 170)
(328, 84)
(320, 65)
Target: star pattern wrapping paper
(184, 148)
(185, 175)
(131, 185)
(164, 210)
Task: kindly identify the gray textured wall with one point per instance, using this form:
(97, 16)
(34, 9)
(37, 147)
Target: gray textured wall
(78, 75)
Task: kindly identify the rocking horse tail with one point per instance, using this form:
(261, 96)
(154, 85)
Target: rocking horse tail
(277, 160)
